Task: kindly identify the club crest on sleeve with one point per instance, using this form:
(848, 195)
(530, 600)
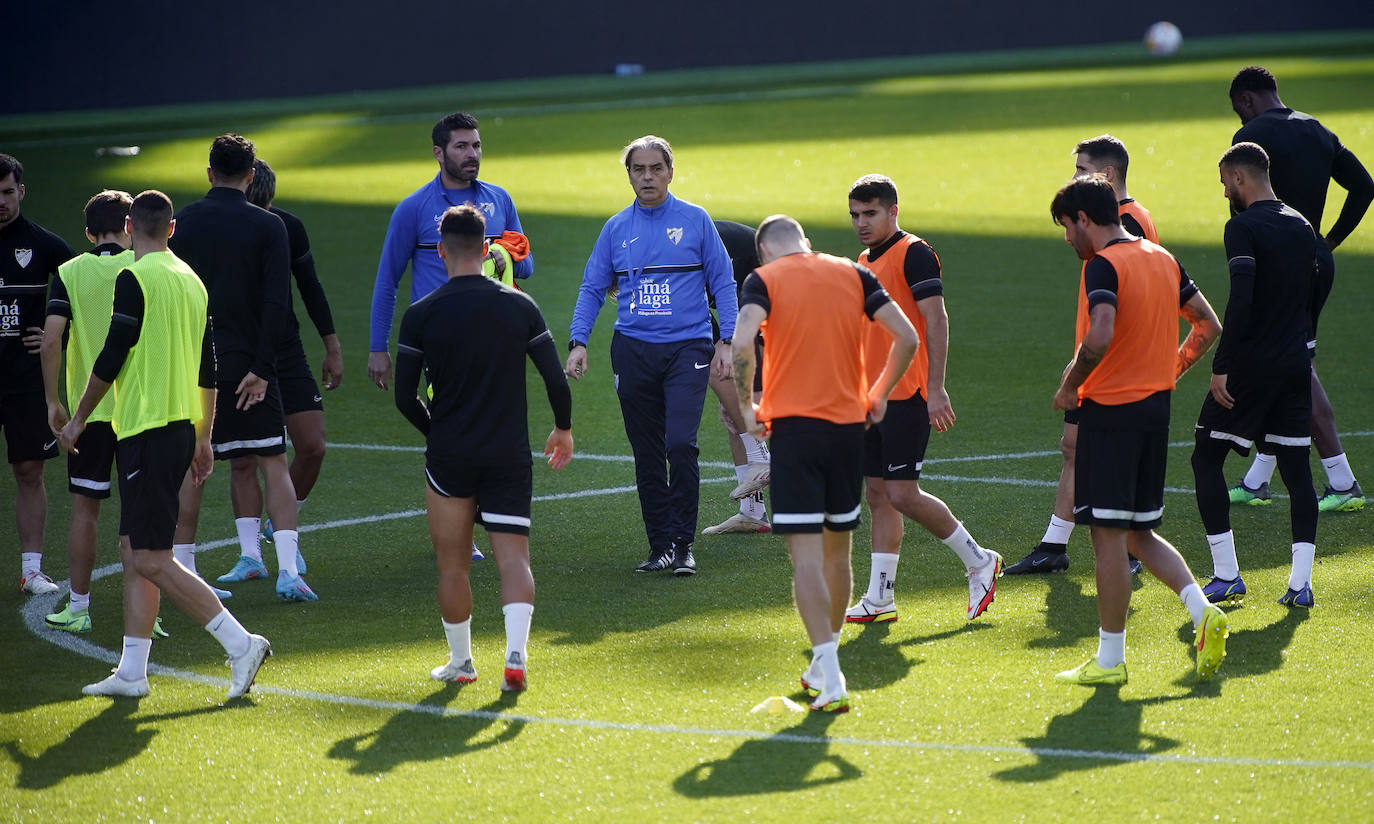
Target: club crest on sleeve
(23, 256)
(675, 235)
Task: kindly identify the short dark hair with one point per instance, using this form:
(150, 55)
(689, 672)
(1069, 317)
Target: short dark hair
(10, 165)
(1251, 155)
(105, 212)
(231, 156)
(870, 187)
(462, 229)
(150, 213)
(1106, 150)
(264, 186)
(651, 142)
(450, 124)
(771, 225)
(1253, 79)
(1093, 196)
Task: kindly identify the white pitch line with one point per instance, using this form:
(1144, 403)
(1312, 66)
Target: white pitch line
(34, 609)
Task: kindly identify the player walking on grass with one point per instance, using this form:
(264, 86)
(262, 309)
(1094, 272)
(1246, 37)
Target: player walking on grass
(1106, 156)
(473, 334)
(29, 257)
(661, 255)
(894, 449)
(816, 402)
(241, 254)
(748, 453)
(159, 358)
(82, 297)
(1261, 374)
(1120, 380)
(302, 402)
(1304, 157)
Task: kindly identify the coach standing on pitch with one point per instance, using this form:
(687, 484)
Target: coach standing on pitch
(413, 234)
(661, 255)
(29, 257)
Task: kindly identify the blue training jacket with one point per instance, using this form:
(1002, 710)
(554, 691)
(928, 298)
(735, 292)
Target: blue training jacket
(413, 238)
(662, 259)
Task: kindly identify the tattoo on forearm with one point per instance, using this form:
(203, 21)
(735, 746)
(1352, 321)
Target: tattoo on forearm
(743, 383)
(1089, 357)
(1192, 348)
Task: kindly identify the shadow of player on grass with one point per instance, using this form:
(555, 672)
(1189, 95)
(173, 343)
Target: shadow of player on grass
(104, 742)
(796, 758)
(1066, 614)
(1104, 731)
(872, 663)
(410, 736)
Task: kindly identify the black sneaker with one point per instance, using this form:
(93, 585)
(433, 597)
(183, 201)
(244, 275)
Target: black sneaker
(1044, 559)
(659, 560)
(683, 562)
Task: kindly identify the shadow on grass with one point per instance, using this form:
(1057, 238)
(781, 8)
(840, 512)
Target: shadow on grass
(789, 760)
(1064, 604)
(102, 743)
(412, 737)
(1105, 730)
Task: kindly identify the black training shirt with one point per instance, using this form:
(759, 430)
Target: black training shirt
(29, 257)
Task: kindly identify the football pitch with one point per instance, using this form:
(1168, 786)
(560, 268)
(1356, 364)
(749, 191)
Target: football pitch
(641, 686)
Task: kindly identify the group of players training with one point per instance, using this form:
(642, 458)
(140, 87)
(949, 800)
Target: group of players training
(854, 382)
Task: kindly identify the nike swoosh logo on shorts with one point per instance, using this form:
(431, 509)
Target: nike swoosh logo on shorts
(1079, 509)
(700, 365)
(50, 444)
(131, 475)
(318, 398)
(891, 468)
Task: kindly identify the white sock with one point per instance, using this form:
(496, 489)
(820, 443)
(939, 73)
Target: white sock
(1224, 563)
(752, 506)
(1260, 471)
(1111, 648)
(965, 547)
(828, 656)
(248, 537)
(287, 542)
(78, 601)
(755, 450)
(186, 555)
(32, 563)
(1301, 575)
(459, 640)
(1194, 601)
(882, 578)
(229, 632)
(518, 617)
(1058, 531)
(133, 662)
(1338, 473)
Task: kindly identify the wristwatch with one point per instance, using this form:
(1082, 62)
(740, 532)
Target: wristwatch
(574, 343)
(728, 341)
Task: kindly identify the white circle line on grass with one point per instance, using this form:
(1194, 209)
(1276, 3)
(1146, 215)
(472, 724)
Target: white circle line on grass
(33, 611)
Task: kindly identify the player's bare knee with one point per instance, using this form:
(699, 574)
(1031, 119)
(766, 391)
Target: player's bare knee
(29, 475)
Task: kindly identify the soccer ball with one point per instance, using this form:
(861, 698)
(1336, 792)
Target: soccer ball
(1163, 38)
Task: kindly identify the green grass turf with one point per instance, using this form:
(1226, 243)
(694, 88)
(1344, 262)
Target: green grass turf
(641, 688)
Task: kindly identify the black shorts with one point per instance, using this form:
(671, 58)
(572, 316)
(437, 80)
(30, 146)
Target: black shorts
(88, 471)
(259, 430)
(1120, 461)
(1326, 276)
(1275, 408)
(817, 475)
(152, 465)
(503, 492)
(895, 448)
(299, 391)
(24, 417)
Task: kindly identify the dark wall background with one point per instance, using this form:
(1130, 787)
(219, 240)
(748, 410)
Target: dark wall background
(82, 55)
